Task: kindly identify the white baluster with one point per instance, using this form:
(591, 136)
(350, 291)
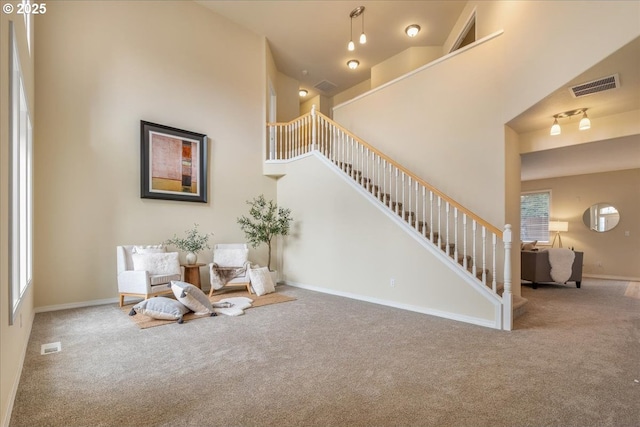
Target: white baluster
(431, 216)
(404, 206)
(455, 233)
(366, 183)
(408, 212)
(396, 195)
(439, 222)
(415, 217)
(465, 263)
(446, 209)
(424, 211)
(474, 226)
(493, 269)
(377, 181)
(484, 255)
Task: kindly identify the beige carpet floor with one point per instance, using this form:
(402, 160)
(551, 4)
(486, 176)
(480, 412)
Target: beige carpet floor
(323, 360)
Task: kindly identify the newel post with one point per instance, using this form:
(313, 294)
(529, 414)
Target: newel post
(507, 296)
(313, 127)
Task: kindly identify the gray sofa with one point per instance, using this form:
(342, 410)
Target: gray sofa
(535, 267)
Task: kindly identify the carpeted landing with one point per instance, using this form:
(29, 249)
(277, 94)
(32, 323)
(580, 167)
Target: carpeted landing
(324, 360)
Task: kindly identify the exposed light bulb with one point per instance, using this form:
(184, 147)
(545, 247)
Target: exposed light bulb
(585, 123)
(555, 128)
(363, 38)
(351, 46)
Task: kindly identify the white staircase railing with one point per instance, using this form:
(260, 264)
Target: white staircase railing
(468, 241)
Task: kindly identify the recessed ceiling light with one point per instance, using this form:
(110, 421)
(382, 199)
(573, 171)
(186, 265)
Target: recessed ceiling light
(353, 63)
(303, 93)
(412, 30)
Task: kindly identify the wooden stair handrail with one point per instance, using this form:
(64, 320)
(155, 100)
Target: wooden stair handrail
(431, 188)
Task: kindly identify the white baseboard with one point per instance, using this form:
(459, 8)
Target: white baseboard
(432, 312)
(76, 305)
(16, 383)
(608, 277)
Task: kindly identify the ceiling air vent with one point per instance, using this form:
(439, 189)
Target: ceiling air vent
(325, 86)
(605, 83)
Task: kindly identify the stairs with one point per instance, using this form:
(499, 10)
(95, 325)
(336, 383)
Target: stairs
(478, 248)
(410, 218)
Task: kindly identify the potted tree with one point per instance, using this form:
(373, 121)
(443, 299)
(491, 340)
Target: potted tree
(193, 243)
(265, 221)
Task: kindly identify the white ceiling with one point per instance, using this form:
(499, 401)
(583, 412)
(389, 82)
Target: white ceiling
(313, 35)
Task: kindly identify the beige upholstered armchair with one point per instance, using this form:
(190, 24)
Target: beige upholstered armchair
(230, 266)
(146, 271)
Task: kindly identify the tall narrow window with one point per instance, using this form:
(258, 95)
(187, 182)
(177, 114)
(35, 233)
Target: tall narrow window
(20, 185)
(534, 216)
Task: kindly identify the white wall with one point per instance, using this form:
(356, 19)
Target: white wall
(341, 243)
(14, 338)
(103, 67)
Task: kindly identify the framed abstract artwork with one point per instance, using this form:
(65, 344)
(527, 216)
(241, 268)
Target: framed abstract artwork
(173, 163)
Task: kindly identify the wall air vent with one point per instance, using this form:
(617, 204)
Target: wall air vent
(325, 86)
(595, 86)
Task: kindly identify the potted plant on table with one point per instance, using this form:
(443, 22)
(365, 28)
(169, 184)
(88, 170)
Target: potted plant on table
(193, 243)
(265, 221)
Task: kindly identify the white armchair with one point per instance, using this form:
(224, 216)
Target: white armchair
(146, 271)
(230, 266)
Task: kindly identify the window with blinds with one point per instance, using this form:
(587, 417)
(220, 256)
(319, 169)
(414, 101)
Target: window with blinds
(534, 216)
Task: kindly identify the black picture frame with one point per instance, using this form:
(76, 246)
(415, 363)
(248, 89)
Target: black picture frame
(173, 163)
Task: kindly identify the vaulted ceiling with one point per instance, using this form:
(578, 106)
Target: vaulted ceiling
(309, 38)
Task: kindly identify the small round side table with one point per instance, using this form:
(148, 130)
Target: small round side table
(192, 273)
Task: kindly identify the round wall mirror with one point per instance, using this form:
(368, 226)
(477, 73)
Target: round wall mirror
(601, 217)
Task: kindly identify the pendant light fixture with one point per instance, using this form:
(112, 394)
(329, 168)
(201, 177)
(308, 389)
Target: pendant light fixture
(351, 46)
(555, 129)
(585, 123)
(363, 38)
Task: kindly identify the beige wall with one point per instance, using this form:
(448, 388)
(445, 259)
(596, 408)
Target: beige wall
(94, 83)
(351, 93)
(342, 243)
(14, 338)
(610, 254)
(288, 98)
(402, 63)
(420, 122)
(322, 103)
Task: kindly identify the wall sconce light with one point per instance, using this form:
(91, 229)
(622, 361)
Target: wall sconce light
(585, 123)
(558, 226)
(363, 38)
(353, 63)
(303, 93)
(412, 30)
